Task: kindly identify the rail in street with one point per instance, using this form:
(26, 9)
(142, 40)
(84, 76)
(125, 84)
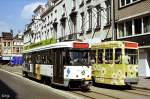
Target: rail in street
(95, 92)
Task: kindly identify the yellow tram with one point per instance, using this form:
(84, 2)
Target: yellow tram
(115, 62)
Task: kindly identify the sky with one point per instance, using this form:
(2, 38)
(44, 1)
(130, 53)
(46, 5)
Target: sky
(15, 14)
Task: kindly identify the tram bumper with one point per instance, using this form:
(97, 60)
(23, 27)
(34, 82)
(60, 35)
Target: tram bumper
(129, 81)
(86, 84)
(80, 83)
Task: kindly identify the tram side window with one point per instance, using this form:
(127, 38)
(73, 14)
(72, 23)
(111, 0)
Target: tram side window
(100, 56)
(66, 58)
(109, 56)
(131, 56)
(25, 58)
(33, 58)
(28, 58)
(38, 59)
(118, 56)
(93, 56)
(48, 57)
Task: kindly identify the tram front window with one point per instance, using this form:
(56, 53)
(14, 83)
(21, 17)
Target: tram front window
(77, 58)
(131, 56)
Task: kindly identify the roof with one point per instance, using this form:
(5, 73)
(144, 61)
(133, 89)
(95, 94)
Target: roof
(67, 44)
(110, 44)
(39, 7)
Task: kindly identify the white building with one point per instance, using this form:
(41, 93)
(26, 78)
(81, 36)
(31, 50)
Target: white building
(70, 19)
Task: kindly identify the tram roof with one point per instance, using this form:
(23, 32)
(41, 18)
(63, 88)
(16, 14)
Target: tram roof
(65, 44)
(119, 44)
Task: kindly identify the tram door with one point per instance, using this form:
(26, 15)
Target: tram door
(58, 70)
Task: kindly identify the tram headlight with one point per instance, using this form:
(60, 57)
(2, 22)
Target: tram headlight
(86, 82)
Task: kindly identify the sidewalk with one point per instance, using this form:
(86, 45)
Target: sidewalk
(14, 69)
(144, 83)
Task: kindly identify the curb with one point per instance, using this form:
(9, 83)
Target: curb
(140, 87)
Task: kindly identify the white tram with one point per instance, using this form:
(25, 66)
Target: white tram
(65, 63)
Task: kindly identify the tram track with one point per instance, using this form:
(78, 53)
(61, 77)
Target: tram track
(94, 95)
(138, 92)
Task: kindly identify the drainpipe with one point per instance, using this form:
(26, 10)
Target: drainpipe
(113, 19)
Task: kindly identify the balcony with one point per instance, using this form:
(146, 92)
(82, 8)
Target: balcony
(88, 1)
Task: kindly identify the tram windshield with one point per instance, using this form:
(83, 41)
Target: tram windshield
(131, 56)
(77, 58)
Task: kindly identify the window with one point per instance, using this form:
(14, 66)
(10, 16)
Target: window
(8, 43)
(122, 2)
(63, 26)
(108, 56)
(55, 27)
(4, 43)
(135, 26)
(76, 58)
(90, 18)
(74, 23)
(127, 2)
(108, 11)
(138, 26)
(118, 56)
(100, 56)
(17, 50)
(131, 56)
(128, 28)
(82, 19)
(121, 29)
(146, 21)
(93, 56)
(74, 3)
(98, 15)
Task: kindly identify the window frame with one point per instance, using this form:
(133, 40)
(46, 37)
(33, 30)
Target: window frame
(125, 3)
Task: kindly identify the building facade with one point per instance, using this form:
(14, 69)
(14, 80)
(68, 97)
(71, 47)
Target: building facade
(133, 23)
(70, 20)
(10, 46)
(6, 42)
